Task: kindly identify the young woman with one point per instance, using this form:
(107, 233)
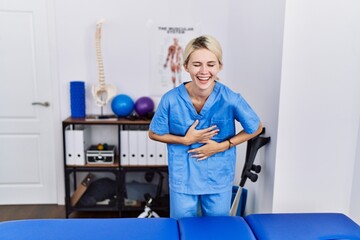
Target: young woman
(197, 121)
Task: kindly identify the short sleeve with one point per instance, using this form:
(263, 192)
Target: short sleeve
(160, 122)
(248, 119)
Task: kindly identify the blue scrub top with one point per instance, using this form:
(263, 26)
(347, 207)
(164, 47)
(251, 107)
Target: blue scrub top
(176, 113)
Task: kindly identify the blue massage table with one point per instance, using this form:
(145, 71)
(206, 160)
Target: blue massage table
(291, 226)
(303, 226)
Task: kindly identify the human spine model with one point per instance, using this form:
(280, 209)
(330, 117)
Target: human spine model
(102, 93)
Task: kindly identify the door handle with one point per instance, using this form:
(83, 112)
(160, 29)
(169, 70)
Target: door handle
(44, 104)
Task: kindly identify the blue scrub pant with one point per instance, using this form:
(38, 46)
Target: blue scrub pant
(186, 205)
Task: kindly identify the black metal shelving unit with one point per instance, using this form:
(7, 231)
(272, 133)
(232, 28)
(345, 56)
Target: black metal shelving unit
(119, 172)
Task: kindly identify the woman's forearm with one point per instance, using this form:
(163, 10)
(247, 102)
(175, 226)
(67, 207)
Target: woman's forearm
(242, 136)
(168, 138)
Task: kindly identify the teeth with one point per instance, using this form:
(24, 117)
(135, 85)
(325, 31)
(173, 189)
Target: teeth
(203, 78)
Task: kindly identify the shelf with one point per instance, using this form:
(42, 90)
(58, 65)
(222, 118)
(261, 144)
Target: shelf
(136, 167)
(87, 166)
(119, 171)
(95, 208)
(127, 167)
(110, 121)
(128, 208)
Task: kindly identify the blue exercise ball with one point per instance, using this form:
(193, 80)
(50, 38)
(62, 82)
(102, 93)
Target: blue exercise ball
(122, 105)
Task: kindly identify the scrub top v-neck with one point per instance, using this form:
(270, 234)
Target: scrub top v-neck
(176, 113)
(184, 94)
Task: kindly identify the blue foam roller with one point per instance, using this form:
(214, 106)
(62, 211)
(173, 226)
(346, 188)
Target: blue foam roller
(77, 99)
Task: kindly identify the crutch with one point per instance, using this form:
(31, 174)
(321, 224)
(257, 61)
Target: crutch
(250, 170)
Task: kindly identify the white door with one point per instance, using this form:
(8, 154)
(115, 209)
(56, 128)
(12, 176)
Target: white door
(27, 164)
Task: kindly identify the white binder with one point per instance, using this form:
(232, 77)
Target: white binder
(166, 156)
(151, 152)
(81, 137)
(69, 146)
(76, 143)
(161, 152)
(133, 147)
(142, 147)
(124, 147)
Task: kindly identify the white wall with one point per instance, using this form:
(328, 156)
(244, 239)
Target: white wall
(125, 40)
(355, 197)
(125, 44)
(254, 69)
(319, 107)
(304, 84)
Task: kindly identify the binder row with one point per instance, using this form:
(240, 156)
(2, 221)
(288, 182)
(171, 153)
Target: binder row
(77, 141)
(137, 149)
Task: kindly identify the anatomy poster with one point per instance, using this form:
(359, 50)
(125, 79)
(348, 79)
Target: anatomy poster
(166, 56)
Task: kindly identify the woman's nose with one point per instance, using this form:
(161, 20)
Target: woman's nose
(203, 69)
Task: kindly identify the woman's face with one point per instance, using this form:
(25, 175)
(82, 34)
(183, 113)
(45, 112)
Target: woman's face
(203, 67)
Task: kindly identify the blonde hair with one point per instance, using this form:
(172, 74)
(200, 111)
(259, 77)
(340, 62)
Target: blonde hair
(205, 41)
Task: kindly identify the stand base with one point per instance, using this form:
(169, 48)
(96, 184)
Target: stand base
(101, 117)
(105, 116)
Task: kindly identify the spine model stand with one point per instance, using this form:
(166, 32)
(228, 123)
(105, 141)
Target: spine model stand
(102, 92)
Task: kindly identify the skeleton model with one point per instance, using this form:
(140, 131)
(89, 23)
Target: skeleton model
(102, 93)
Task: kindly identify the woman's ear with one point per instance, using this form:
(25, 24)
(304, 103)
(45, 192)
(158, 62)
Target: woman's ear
(186, 68)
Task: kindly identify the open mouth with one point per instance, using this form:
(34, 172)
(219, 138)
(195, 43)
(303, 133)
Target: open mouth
(203, 79)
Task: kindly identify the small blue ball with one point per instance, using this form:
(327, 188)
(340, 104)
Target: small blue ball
(122, 105)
